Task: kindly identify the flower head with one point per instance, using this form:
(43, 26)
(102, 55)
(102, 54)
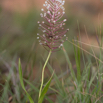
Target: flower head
(52, 34)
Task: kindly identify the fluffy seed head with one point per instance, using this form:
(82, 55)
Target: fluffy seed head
(52, 34)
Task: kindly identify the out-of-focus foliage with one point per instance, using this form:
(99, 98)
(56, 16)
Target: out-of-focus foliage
(18, 39)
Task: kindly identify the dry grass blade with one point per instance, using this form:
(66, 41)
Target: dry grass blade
(89, 44)
(85, 51)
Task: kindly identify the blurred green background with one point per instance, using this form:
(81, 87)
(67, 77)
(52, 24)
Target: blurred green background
(19, 28)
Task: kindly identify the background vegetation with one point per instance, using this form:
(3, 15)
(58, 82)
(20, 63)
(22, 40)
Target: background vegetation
(78, 66)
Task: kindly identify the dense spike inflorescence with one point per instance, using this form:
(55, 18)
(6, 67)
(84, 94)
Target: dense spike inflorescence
(53, 34)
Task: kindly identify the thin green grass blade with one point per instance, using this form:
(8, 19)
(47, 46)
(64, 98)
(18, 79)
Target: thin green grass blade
(43, 72)
(37, 90)
(70, 65)
(81, 43)
(44, 91)
(22, 84)
(92, 79)
(56, 81)
(77, 58)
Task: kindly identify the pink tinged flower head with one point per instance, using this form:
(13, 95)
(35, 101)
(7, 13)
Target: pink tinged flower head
(52, 34)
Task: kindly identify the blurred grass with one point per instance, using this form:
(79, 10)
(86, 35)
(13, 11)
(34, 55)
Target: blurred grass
(18, 39)
(25, 26)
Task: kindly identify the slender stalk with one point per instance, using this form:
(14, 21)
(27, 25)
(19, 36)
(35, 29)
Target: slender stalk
(43, 73)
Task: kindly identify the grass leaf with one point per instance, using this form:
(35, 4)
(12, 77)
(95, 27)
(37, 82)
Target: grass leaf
(70, 65)
(22, 84)
(44, 91)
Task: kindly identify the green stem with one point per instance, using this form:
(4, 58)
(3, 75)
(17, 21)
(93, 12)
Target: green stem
(43, 72)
